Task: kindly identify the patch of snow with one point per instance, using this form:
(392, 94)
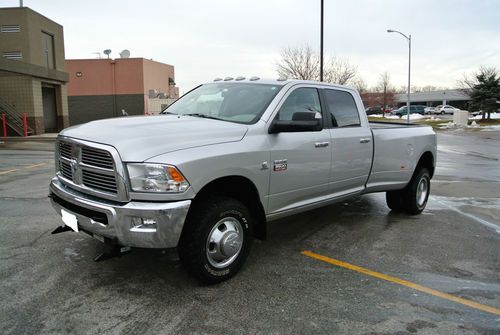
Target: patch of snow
(416, 116)
(473, 125)
(479, 117)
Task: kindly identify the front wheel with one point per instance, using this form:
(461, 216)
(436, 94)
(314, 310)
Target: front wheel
(216, 239)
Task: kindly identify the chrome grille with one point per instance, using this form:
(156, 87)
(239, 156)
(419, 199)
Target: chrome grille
(99, 181)
(91, 168)
(65, 150)
(66, 171)
(97, 157)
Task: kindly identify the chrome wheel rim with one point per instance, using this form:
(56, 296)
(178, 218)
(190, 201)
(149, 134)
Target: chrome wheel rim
(422, 191)
(224, 242)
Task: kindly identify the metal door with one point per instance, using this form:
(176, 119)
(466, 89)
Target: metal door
(49, 109)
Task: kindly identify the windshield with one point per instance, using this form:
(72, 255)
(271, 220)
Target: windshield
(234, 102)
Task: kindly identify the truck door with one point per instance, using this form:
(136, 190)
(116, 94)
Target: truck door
(300, 161)
(352, 143)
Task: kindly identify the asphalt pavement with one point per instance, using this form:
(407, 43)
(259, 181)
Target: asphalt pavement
(350, 268)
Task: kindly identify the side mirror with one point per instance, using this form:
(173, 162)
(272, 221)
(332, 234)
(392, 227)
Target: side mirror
(301, 121)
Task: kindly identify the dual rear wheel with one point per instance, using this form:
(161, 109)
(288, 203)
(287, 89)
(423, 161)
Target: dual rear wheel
(413, 198)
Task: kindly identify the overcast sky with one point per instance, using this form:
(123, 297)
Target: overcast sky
(217, 38)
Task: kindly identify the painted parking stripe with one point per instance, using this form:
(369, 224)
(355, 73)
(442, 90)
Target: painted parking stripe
(34, 166)
(402, 282)
(8, 171)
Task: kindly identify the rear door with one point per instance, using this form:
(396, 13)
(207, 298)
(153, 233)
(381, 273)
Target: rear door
(300, 161)
(352, 143)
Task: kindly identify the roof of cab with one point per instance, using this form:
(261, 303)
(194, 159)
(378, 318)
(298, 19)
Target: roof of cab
(279, 81)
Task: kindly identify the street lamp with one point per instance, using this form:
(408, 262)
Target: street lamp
(321, 43)
(409, 70)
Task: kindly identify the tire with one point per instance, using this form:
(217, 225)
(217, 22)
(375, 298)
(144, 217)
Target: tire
(216, 239)
(416, 193)
(394, 201)
(442, 113)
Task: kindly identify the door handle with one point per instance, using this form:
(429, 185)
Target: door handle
(321, 144)
(364, 140)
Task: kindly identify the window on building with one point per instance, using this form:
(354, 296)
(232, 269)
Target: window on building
(13, 55)
(48, 50)
(342, 108)
(10, 28)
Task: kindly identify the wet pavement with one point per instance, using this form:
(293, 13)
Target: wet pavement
(49, 283)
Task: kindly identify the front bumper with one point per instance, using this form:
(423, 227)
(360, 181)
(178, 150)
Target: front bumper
(118, 222)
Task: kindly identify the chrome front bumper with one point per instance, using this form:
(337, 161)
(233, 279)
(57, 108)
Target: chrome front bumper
(118, 222)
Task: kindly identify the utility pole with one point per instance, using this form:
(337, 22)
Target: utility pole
(321, 45)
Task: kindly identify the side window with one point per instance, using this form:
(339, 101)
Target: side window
(342, 108)
(304, 99)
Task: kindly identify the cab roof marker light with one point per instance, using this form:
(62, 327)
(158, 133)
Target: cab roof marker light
(217, 79)
(240, 78)
(282, 79)
(254, 78)
(228, 78)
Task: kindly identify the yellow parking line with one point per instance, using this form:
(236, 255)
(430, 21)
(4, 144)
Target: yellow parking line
(8, 171)
(34, 166)
(403, 282)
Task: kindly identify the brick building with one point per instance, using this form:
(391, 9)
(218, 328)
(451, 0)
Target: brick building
(32, 76)
(103, 88)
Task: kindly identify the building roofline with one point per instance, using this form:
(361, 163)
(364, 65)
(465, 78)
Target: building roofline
(32, 11)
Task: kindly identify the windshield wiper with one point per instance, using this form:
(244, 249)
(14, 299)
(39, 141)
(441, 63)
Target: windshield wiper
(164, 112)
(203, 116)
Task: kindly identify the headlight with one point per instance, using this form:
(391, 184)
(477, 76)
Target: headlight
(156, 178)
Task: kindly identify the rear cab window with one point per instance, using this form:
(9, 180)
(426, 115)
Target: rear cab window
(342, 107)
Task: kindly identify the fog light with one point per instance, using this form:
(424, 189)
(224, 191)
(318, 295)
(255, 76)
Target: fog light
(145, 225)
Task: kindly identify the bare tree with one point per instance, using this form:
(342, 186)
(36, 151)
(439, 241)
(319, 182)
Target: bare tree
(360, 85)
(303, 63)
(298, 63)
(383, 85)
(339, 71)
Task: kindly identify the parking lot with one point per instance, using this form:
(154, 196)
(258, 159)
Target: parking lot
(353, 267)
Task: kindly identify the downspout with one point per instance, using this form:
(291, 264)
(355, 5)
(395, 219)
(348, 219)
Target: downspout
(113, 79)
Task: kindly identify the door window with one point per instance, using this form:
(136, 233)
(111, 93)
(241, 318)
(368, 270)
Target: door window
(343, 109)
(305, 99)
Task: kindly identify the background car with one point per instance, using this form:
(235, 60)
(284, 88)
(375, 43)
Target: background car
(429, 110)
(445, 109)
(373, 110)
(414, 109)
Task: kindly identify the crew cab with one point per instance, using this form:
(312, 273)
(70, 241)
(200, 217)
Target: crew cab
(227, 158)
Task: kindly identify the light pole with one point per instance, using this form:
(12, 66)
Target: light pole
(409, 70)
(321, 44)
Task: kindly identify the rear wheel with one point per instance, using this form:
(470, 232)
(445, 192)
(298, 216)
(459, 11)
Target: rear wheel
(394, 200)
(416, 193)
(216, 239)
(413, 198)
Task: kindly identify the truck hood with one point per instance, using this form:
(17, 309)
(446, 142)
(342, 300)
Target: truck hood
(140, 138)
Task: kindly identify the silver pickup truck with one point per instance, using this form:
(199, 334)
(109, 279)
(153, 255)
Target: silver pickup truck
(227, 158)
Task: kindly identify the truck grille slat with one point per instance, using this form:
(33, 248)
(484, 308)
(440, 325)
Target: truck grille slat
(65, 150)
(97, 157)
(89, 179)
(66, 170)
